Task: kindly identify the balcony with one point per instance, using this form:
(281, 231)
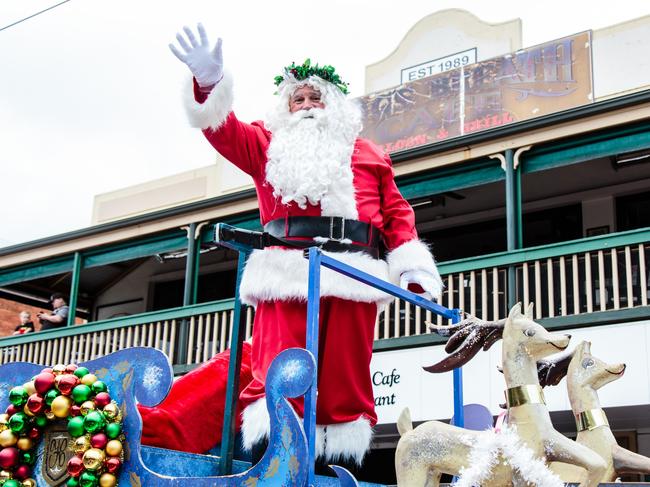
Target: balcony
(584, 282)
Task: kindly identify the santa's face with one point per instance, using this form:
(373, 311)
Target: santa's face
(305, 98)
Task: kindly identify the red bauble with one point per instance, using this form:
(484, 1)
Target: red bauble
(75, 466)
(71, 368)
(36, 403)
(66, 383)
(75, 410)
(47, 371)
(22, 472)
(99, 440)
(11, 410)
(102, 399)
(112, 464)
(9, 457)
(43, 382)
(34, 433)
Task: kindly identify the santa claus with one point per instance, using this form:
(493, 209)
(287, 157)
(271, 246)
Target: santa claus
(317, 183)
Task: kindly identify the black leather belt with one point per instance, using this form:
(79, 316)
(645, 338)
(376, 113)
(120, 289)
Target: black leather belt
(335, 229)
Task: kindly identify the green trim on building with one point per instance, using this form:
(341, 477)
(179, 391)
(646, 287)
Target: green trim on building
(124, 251)
(36, 270)
(590, 244)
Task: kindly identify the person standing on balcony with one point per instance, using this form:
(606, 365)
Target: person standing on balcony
(317, 183)
(59, 316)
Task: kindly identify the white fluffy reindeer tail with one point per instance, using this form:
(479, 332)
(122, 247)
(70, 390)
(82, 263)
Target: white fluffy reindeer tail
(404, 423)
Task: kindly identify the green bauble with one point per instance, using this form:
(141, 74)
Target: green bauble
(18, 396)
(76, 426)
(41, 421)
(72, 482)
(11, 483)
(28, 457)
(113, 430)
(50, 396)
(98, 386)
(18, 422)
(80, 371)
(88, 479)
(81, 393)
(94, 422)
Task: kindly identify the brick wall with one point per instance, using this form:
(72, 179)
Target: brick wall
(9, 311)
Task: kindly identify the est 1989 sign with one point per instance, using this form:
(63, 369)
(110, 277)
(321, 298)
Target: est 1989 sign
(439, 65)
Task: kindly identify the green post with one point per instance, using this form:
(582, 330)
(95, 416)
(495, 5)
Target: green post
(511, 224)
(74, 288)
(518, 207)
(188, 294)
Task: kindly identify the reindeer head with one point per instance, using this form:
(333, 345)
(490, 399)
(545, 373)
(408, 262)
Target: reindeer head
(521, 332)
(585, 370)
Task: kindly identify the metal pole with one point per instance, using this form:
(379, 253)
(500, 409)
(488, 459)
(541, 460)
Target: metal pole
(459, 415)
(511, 223)
(313, 308)
(188, 293)
(232, 391)
(74, 288)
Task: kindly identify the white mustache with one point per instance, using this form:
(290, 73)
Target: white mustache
(314, 114)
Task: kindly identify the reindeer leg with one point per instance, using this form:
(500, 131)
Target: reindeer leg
(626, 461)
(561, 449)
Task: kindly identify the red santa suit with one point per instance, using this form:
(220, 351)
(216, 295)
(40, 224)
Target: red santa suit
(275, 279)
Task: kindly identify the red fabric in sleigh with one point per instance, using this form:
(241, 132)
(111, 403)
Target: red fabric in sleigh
(191, 417)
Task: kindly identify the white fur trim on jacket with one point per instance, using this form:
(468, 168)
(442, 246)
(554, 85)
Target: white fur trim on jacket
(410, 256)
(279, 274)
(334, 442)
(215, 109)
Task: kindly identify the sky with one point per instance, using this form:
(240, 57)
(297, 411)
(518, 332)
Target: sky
(90, 95)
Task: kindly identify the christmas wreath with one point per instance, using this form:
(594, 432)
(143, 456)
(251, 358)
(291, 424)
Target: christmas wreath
(94, 423)
(303, 71)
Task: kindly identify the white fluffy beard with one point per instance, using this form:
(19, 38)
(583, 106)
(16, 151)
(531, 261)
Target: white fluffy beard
(309, 157)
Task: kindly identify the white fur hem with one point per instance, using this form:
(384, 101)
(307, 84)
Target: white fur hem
(348, 441)
(215, 109)
(255, 423)
(410, 256)
(334, 442)
(279, 275)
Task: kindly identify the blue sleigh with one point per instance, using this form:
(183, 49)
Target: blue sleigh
(144, 376)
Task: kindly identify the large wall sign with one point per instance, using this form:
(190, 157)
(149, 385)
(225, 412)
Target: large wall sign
(529, 83)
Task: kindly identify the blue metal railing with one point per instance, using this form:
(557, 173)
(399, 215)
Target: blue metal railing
(316, 260)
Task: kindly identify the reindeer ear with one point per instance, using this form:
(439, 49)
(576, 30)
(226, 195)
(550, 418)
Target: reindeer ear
(586, 347)
(515, 311)
(529, 311)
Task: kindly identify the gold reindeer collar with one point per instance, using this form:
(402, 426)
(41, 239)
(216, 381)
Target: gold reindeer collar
(591, 419)
(526, 394)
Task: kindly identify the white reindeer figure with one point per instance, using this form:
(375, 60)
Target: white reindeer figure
(433, 448)
(586, 374)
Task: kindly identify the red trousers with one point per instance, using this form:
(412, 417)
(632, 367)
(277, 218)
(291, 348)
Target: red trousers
(345, 348)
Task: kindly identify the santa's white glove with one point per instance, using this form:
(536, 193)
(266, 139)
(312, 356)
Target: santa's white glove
(206, 65)
(421, 282)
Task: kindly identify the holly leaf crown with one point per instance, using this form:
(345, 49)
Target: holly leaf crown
(305, 70)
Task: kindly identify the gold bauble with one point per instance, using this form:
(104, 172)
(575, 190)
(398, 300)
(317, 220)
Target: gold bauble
(114, 448)
(107, 480)
(7, 438)
(86, 407)
(3, 427)
(27, 411)
(49, 415)
(5, 475)
(29, 387)
(25, 444)
(93, 459)
(89, 379)
(29, 483)
(81, 444)
(58, 369)
(112, 411)
(61, 406)
(4, 418)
